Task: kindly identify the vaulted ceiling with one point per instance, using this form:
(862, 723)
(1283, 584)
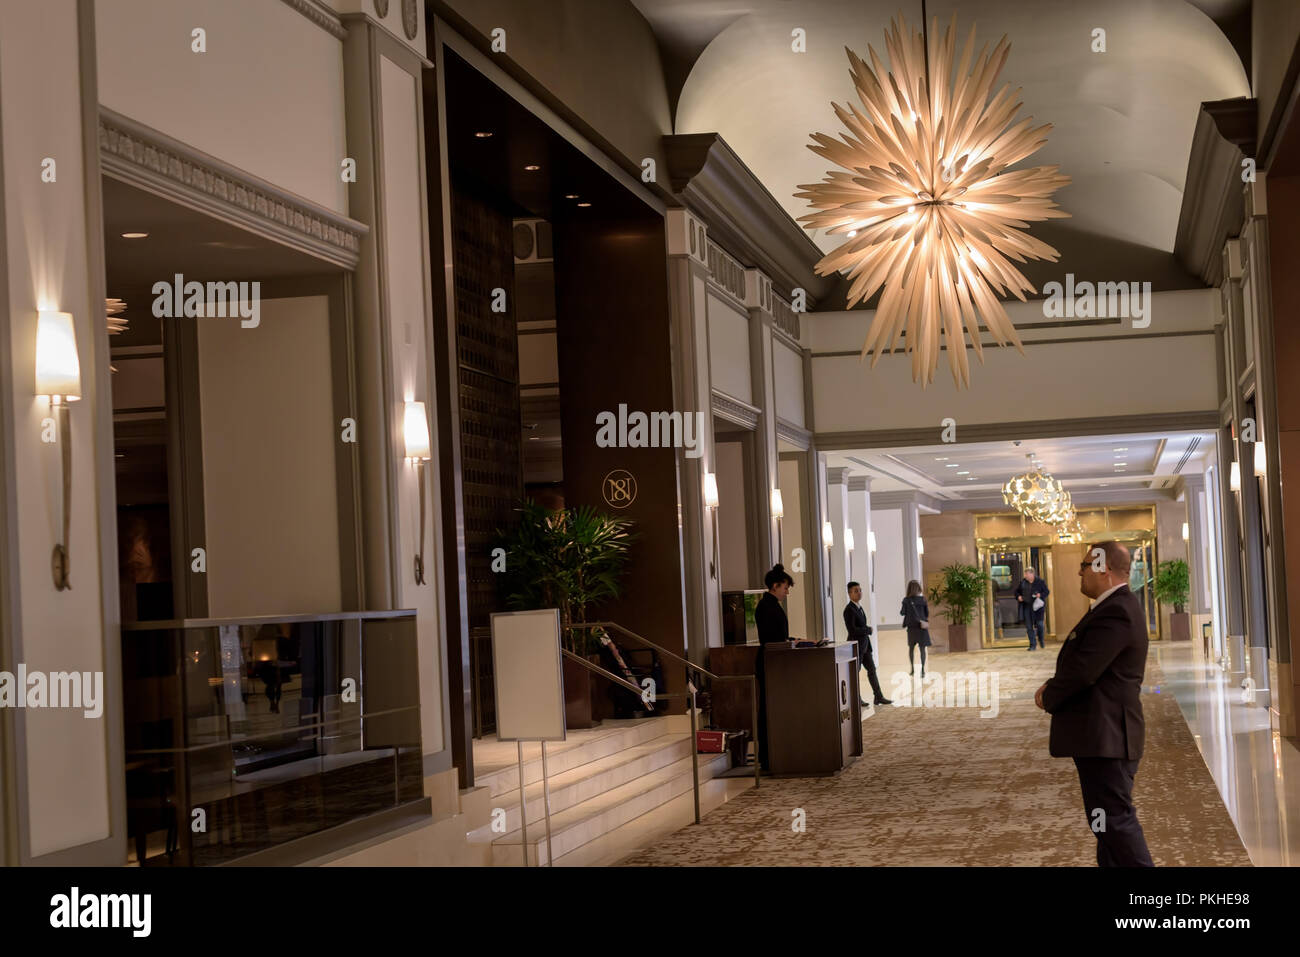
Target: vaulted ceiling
(1123, 119)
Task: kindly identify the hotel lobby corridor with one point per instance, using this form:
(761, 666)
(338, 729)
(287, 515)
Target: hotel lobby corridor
(944, 786)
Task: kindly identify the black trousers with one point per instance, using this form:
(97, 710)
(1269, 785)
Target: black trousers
(1107, 785)
(869, 662)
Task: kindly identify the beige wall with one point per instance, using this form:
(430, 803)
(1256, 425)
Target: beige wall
(1275, 28)
(729, 349)
(790, 474)
(48, 241)
(733, 547)
(269, 434)
(787, 367)
(266, 96)
(949, 538)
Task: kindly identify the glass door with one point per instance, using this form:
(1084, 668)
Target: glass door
(1141, 581)
(1001, 622)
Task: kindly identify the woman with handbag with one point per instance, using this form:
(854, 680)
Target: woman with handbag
(916, 616)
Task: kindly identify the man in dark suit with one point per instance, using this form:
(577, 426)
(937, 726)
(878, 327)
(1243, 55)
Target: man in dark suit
(855, 620)
(1094, 702)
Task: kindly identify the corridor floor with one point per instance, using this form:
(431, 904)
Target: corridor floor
(945, 786)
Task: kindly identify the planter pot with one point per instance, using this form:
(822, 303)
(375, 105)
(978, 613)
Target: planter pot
(1180, 628)
(957, 637)
(578, 695)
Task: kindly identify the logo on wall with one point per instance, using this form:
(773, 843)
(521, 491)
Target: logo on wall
(619, 488)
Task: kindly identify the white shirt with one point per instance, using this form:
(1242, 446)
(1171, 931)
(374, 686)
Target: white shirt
(1106, 594)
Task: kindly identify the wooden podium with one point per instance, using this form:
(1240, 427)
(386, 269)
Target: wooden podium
(814, 712)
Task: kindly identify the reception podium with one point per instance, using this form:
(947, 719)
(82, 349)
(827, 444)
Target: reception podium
(814, 711)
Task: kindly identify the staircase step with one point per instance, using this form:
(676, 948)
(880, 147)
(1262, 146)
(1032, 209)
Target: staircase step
(596, 816)
(570, 788)
(584, 747)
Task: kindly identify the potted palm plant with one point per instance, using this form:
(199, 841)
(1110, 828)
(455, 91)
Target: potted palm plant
(959, 592)
(1173, 587)
(570, 559)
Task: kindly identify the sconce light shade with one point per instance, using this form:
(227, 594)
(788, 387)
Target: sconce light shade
(871, 542)
(1234, 478)
(828, 535)
(1186, 532)
(848, 539)
(416, 429)
(920, 546)
(58, 372)
(1261, 464)
(778, 506)
(710, 490)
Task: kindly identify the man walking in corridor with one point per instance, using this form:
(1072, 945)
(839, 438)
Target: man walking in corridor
(1094, 702)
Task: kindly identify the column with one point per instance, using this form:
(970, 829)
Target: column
(837, 507)
(692, 389)
(762, 531)
(1199, 573)
(863, 566)
(61, 771)
(911, 536)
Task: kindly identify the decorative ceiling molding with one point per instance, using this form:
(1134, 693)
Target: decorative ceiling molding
(742, 214)
(881, 500)
(1206, 421)
(796, 435)
(733, 410)
(321, 16)
(1213, 203)
(143, 157)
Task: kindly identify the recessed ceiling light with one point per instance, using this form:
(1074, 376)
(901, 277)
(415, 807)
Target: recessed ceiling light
(1104, 484)
(570, 195)
(1118, 464)
(1123, 448)
(532, 167)
(941, 458)
(483, 134)
(972, 478)
(953, 465)
(134, 235)
(852, 233)
(584, 204)
(964, 472)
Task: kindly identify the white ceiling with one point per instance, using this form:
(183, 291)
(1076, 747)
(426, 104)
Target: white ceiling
(1123, 120)
(1092, 468)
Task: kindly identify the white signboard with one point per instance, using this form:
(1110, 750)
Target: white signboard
(528, 675)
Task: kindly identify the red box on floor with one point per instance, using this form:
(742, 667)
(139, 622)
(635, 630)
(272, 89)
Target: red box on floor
(710, 742)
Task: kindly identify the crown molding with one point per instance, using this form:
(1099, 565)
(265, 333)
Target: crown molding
(141, 156)
(319, 15)
(1213, 204)
(733, 410)
(796, 435)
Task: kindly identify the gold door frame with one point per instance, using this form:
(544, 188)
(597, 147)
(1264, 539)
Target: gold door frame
(1098, 525)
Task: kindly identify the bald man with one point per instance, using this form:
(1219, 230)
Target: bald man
(1094, 702)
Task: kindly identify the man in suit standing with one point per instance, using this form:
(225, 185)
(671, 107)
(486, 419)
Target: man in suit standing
(1094, 702)
(855, 620)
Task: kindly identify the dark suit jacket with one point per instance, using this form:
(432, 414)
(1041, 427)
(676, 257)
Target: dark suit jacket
(1094, 696)
(855, 620)
(770, 617)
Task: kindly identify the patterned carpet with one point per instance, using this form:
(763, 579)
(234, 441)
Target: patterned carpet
(945, 786)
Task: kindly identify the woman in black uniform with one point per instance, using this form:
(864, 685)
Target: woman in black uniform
(773, 626)
(916, 616)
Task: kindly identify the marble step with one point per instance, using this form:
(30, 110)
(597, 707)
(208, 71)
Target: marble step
(597, 816)
(586, 781)
(583, 748)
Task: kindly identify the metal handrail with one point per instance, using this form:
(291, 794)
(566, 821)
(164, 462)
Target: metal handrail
(695, 750)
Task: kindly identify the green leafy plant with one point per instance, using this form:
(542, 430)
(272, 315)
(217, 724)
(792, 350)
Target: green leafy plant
(1173, 583)
(568, 558)
(959, 592)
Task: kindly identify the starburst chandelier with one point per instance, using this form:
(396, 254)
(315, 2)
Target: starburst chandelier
(1038, 496)
(928, 209)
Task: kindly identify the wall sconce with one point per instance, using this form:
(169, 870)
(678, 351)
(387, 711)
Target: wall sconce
(1261, 464)
(920, 547)
(828, 540)
(848, 545)
(778, 513)
(1234, 477)
(711, 503)
(415, 427)
(58, 378)
(1186, 532)
(871, 550)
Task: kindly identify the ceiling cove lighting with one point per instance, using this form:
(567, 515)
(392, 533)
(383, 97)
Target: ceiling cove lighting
(924, 184)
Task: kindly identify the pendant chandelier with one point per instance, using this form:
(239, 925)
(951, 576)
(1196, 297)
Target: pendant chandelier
(1037, 495)
(929, 212)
